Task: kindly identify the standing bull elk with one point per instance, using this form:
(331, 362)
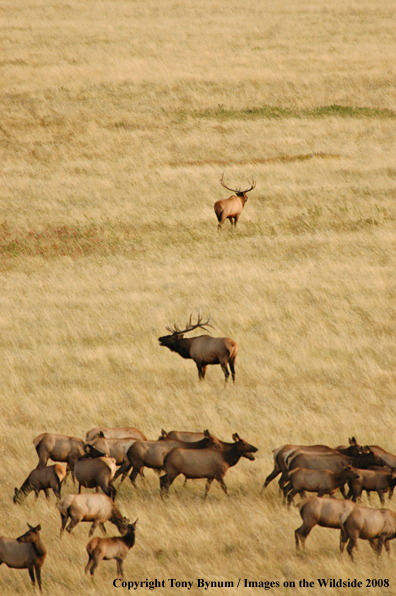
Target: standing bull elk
(203, 349)
(231, 208)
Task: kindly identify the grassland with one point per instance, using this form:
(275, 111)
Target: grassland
(117, 121)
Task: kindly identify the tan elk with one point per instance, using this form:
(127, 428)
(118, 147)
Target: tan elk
(95, 472)
(321, 511)
(26, 552)
(42, 479)
(211, 464)
(203, 349)
(378, 526)
(114, 433)
(117, 548)
(93, 507)
(231, 208)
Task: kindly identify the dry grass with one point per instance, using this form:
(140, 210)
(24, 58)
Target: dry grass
(118, 119)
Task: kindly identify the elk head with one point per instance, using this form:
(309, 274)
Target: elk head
(170, 341)
(238, 191)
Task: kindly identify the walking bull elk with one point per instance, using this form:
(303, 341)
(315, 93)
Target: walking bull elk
(231, 208)
(203, 349)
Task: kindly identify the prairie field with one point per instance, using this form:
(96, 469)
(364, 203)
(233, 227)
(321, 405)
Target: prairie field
(117, 121)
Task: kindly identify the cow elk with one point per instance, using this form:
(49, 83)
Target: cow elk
(117, 548)
(96, 472)
(231, 208)
(321, 511)
(323, 482)
(42, 479)
(378, 526)
(211, 464)
(58, 448)
(203, 349)
(114, 433)
(26, 552)
(94, 508)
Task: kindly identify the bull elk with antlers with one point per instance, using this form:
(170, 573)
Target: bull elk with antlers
(231, 208)
(203, 349)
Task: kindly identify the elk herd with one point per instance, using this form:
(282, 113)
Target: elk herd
(109, 453)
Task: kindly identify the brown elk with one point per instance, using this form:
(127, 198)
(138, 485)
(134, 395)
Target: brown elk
(319, 511)
(26, 552)
(231, 208)
(42, 479)
(114, 433)
(380, 481)
(93, 507)
(323, 482)
(96, 472)
(378, 526)
(203, 349)
(211, 464)
(117, 548)
(58, 448)
(116, 448)
(151, 454)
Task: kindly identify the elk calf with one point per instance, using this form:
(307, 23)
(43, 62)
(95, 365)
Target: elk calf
(26, 552)
(117, 548)
(231, 208)
(203, 349)
(42, 479)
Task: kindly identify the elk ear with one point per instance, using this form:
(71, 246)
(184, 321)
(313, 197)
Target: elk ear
(101, 434)
(136, 522)
(37, 528)
(206, 433)
(236, 438)
(29, 526)
(352, 441)
(163, 433)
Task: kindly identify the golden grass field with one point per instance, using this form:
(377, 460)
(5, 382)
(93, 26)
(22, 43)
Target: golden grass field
(118, 119)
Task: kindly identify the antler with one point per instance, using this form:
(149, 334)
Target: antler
(248, 188)
(190, 326)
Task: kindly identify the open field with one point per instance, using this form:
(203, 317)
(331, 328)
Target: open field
(117, 121)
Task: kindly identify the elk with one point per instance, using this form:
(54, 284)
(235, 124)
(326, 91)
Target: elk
(211, 464)
(378, 526)
(231, 208)
(285, 454)
(151, 454)
(203, 349)
(58, 448)
(116, 448)
(379, 481)
(96, 472)
(114, 433)
(319, 511)
(42, 479)
(322, 482)
(26, 552)
(93, 507)
(117, 548)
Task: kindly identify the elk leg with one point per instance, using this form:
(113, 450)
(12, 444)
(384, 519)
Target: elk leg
(381, 496)
(275, 472)
(223, 486)
(90, 563)
(102, 527)
(207, 487)
(93, 528)
(64, 522)
(351, 544)
(225, 371)
(343, 540)
(120, 569)
(72, 524)
(134, 474)
(301, 535)
(38, 576)
(46, 493)
(31, 573)
(124, 469)
(232, 367)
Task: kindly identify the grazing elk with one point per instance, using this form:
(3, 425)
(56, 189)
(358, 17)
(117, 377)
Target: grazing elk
(42, 479)
(378, 526)
(322, 482)
(319, 511)
(58, 448)
(211, 464)
(96, 472)
(151, 454)
(231, 208)
(26, 552)
(379, 481)
(114, 433)
(203, 349)
(117, 548)
(95, 508)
